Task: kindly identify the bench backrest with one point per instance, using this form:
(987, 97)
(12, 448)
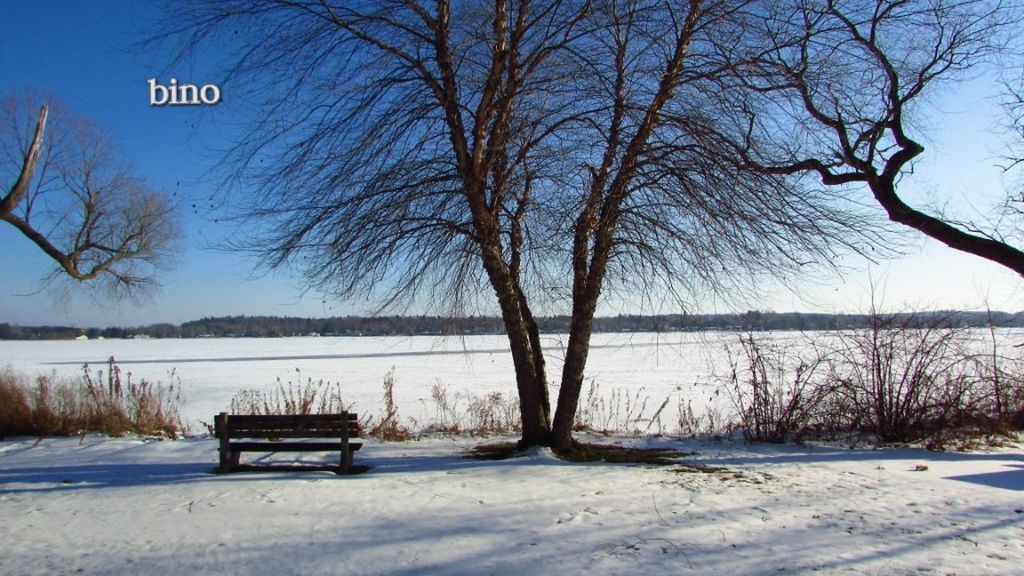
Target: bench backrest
(288, 426)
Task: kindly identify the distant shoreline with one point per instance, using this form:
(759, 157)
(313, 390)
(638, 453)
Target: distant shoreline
(283, 326)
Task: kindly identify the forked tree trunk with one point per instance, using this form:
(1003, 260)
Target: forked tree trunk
(589, 273)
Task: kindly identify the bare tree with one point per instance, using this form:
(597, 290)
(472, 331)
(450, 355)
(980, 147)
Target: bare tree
(71, 196)
(843, 83)
(536, 152)
(1014, 109)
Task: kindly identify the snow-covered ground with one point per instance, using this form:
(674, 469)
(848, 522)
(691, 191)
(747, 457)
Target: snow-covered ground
(96, 505)
(129, 506)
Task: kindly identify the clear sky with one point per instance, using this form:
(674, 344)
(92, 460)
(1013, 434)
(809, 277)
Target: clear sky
(83, 51)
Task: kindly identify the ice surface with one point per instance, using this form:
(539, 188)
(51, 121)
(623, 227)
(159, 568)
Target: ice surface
(211, 371)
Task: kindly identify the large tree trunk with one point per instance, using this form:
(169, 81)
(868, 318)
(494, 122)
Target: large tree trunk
(531, 380)
(527, 357)
(538, 362)
(586, 291)
(576, 355)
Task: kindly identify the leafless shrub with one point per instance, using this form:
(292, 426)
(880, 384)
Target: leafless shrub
(905, 380)
(776, 394)
(15, 406)
(1002, 376)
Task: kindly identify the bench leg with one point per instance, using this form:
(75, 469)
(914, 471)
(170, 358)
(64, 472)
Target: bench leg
(221, 421)
(346, 461)
(346, 452)
(228, 460)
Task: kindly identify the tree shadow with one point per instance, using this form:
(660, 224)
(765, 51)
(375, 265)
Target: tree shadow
(763, 454)
(99, 475)
(1005, 479)
(91, 476)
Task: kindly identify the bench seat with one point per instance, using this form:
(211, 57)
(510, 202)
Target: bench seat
(293, 446)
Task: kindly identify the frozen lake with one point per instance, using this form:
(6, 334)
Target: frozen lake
(655, 366)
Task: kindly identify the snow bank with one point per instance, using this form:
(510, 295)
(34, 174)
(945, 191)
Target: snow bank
(129, 506)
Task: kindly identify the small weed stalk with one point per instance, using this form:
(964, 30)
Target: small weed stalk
(688, 424)
(390, 427)
(446, 418)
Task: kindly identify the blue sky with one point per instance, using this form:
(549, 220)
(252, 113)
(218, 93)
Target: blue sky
(83, 52)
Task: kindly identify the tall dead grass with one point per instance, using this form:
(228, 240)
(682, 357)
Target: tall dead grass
(389, 426)
(620, 411)
(107, 402)
(476, 415)
(300, 397)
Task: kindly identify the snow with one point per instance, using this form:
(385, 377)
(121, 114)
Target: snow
(131, 506)
(96, 505)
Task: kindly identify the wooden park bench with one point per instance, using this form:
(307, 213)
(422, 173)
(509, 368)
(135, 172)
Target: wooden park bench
(275, 428)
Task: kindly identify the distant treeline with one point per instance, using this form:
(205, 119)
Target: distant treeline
(276, 326)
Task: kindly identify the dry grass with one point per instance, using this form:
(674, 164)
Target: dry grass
(103, 401)
(293, 398)
(620, 412)
(487, 415)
